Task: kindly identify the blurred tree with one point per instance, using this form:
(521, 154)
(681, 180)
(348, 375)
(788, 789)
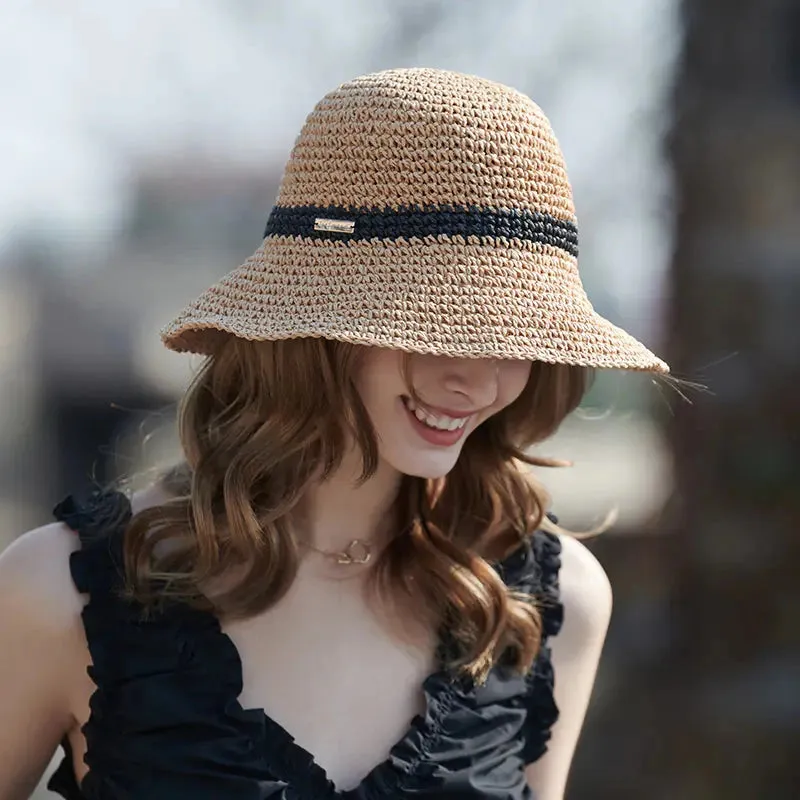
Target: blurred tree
(707, 703)
(735, 285)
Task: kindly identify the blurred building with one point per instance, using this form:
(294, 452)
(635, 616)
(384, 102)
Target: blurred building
(86, 380)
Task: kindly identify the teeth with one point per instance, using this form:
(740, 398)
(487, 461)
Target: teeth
(439, 421)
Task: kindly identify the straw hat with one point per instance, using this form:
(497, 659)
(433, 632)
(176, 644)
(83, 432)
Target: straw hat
(422, 210)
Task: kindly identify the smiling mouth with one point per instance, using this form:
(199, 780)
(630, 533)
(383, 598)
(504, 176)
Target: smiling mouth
(436, 422)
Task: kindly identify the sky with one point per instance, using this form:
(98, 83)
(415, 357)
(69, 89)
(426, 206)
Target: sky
(93, 90)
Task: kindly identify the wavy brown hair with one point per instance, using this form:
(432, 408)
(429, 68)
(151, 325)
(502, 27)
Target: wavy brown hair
(263, 421)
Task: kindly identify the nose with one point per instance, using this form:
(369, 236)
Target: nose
(475, 380)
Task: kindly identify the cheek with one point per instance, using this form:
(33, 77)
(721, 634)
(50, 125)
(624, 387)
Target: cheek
(513, 380)
(379, 384)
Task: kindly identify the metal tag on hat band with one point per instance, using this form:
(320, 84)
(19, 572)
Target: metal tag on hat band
(335, 225)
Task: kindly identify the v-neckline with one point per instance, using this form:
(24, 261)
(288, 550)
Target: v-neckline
(438, 689)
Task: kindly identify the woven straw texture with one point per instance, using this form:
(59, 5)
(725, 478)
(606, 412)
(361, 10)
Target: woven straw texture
(423, 210)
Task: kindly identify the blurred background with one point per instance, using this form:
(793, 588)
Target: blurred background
(140, 152)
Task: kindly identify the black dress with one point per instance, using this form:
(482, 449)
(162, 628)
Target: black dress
(166, 722)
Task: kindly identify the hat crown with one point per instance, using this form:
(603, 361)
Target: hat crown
(431, 138)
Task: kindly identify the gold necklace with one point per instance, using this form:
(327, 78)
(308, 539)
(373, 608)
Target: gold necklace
(357, 552)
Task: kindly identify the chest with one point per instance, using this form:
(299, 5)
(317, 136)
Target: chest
(325, 666)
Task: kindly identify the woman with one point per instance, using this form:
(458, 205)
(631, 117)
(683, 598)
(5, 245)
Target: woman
(350, 588)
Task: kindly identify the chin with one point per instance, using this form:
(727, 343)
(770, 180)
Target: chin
(427, 468)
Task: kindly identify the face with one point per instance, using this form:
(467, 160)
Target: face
(458, 394)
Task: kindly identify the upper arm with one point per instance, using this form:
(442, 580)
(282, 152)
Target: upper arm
(586, 597)
(40, 654)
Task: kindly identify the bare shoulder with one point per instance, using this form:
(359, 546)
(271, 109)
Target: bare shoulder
(44, 656)
(585, 591)
(35, 578)
(576, 651)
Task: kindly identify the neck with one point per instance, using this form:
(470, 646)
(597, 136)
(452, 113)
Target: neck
(338, 510)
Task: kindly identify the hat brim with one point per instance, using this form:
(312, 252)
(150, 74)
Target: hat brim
(462, 297)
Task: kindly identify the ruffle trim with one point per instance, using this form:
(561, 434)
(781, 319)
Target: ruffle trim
(168, 687)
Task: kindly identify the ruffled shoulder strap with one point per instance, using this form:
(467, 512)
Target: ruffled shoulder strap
(535, 569)
(100, 521)
(162, 680)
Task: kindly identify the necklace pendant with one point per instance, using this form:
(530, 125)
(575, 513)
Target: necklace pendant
(357, 552)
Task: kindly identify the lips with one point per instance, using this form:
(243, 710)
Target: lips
(435, 436)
